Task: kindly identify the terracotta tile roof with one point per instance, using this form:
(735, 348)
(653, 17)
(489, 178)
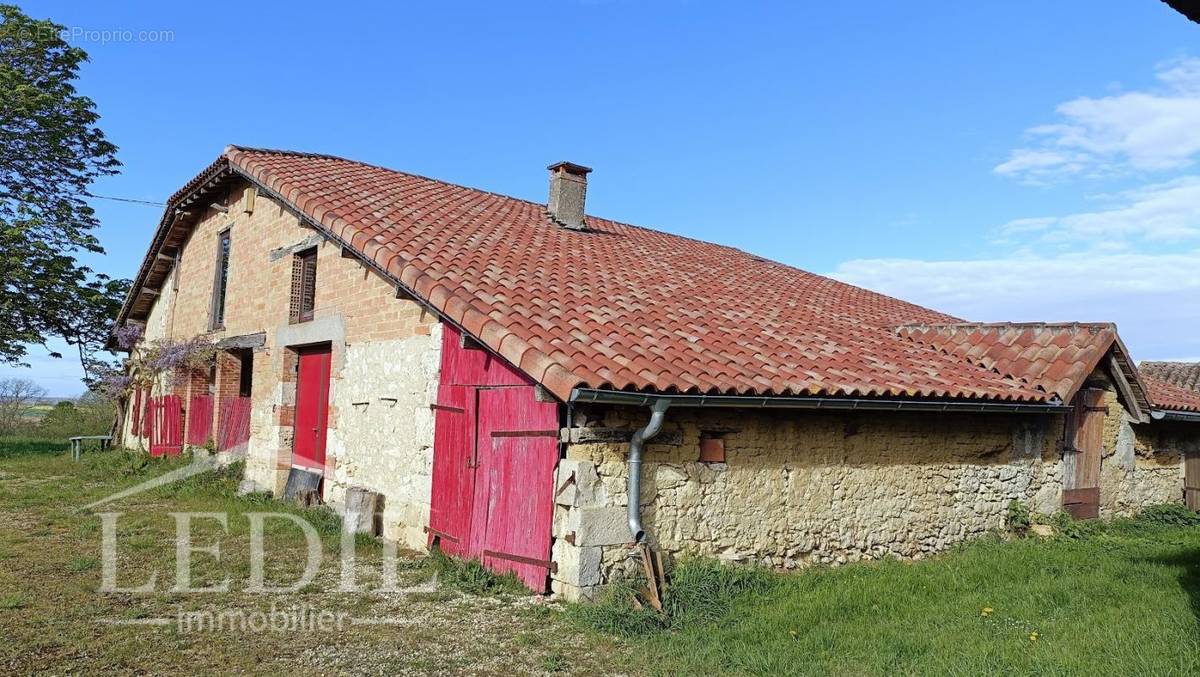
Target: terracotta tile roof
(1182, 374)
(619, 306)
(1173, 385)
(1054, 358)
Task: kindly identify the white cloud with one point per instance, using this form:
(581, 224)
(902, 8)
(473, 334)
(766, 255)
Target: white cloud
(1140, 130)
(1168, 211)
(1133, 258)
(1152, 298)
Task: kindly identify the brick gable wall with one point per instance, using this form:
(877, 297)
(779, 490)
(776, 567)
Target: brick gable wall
(388, 343)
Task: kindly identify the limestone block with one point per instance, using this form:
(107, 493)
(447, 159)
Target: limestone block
(578, 483)
(600, 526)
(578, 566)
(669, 477)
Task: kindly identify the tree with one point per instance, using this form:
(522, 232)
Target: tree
(17, 397)
(90, 415)
(50, 153)
(95, 305)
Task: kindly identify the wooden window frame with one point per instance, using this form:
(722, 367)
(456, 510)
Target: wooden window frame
(221, 280)
(304, 286)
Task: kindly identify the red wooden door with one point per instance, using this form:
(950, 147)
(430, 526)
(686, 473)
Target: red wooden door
(517, 451)
(166, 433)
(312, 409)
(199, 420)
(453, 469)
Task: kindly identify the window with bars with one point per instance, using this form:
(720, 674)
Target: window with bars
(221, 282)
(304, 285)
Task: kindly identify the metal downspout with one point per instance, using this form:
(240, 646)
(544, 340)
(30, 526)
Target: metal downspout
(633, 487)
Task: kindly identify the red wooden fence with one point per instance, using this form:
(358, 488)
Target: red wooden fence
(233, 424)
(199, 420)
(166, 432)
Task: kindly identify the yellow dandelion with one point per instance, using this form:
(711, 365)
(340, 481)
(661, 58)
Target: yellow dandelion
(987, 611)
(1033, 636)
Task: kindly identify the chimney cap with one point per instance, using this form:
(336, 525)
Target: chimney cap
(570, 168)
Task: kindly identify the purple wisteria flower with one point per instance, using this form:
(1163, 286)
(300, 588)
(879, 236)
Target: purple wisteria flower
(128, 335)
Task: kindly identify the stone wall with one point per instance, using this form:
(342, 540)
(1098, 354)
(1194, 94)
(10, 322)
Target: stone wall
(385, 355)
(383, 402)
(800, 488)
(1142, 463)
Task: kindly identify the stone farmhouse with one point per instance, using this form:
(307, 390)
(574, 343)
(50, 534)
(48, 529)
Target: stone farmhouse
(540, 389)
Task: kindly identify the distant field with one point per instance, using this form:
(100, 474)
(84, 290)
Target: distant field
(37, 412)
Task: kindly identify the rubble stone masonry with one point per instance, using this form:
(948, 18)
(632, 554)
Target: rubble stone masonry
(800, 488)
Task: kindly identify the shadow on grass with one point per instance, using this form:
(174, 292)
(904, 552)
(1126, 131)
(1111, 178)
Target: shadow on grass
(1188, 565)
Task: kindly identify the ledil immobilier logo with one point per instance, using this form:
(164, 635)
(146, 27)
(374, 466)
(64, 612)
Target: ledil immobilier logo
(284, 614)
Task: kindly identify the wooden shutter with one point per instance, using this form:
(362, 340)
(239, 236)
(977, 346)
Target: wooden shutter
(297, 284)
(308, 286)
(1191, 479)
(304, 286)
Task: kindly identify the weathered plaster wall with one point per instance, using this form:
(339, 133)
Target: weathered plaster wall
(1142, 463)
(384, 352)
(157, 324)
(383, 403)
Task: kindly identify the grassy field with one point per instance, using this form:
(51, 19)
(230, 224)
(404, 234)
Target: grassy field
(53, 619)
(1115, 599)
(26, 445)
(1121, 599)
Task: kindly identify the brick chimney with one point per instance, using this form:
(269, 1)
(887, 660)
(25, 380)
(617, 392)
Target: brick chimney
(568, 189)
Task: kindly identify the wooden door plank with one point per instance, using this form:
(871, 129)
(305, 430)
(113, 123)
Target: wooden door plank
(453, 480)
(520, 478)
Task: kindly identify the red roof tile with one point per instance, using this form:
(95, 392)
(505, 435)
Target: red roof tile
(1183, 374)
(1054, 358)
(619, 306)
(1173, 385)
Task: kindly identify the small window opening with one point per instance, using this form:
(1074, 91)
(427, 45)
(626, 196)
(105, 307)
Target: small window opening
(304, 285)
(246, 377)
(221, 281)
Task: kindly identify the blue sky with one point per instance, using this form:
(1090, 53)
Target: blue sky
(998, 161)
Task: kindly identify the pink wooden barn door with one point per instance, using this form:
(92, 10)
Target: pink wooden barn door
(518, 451)
(312, 409)
(495, 451)
(453, 469)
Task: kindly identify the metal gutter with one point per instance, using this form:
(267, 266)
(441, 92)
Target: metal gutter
(1171, 415)
(598, 396)
(633, 483)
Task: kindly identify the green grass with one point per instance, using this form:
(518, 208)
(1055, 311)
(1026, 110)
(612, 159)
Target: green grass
(471, 577)
(55, 620)
(1119, 599)
(24, 446)
(1104, 599)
